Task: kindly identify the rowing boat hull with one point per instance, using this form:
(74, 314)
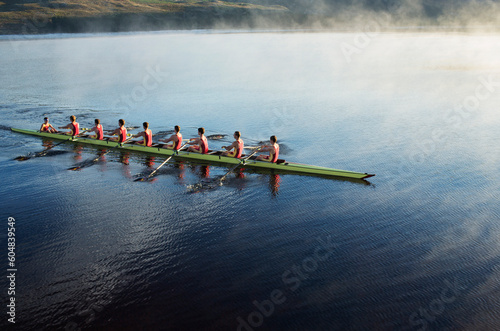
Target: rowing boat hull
(286, 167)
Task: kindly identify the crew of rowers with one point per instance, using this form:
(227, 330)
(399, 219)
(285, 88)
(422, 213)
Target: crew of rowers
(197, 145)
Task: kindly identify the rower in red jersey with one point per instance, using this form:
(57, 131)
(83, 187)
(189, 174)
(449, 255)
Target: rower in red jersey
(273, 149)
(236, 148)
(121, 132)
(73, 126)
(147, 136)
(176, 139)
(200, 145)
(47, 127)
(97, 129)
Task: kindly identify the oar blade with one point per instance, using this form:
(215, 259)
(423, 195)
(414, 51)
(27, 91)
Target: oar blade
(87, 163)
(143, 176)
(42, 153)
(146, 177)
(77, 167)
(197, 188)
(216, 136)
(83, 164)
(80, 166)
(23, 157)
(204, 185)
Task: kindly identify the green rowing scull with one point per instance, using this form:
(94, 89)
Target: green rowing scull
(211, 157)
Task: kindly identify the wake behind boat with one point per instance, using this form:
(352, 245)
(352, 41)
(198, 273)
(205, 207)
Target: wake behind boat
(211, 157)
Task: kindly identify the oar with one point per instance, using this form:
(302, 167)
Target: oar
(145, 178)
(90, 162)
(216, 136)
(201, 185)
(236, 166)
(42, 153)
(109, 132)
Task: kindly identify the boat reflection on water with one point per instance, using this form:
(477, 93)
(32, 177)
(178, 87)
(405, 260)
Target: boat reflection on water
(124, 159)
(102, 162)
(204, 171)
(181, 174)
(201, 170)
(240, 179)
(274, 184)
(47, 143)
(149, 161)
(237, 179)
(77, 150)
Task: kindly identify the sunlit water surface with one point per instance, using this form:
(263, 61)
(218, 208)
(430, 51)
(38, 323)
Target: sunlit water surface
(419, 248)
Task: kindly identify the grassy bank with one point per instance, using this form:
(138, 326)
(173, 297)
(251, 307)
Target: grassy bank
(36, 17)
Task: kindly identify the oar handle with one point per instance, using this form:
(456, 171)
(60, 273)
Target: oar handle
(253, 153)
(127, 140)
(120, 144)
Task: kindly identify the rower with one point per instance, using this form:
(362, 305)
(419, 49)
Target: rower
(47, 127)
(200, 145)
(273, 149)
(97, 129)
(73, 126)
(176, 139)
(147, 136)
(236, 146)
(121, 132)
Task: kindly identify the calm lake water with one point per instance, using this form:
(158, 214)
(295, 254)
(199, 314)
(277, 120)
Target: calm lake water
(417, 249)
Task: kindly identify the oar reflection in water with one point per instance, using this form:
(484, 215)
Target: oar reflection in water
(91, 162)
(42, 153)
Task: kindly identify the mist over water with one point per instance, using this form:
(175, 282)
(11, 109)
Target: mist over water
(416, 249)
(459, 14)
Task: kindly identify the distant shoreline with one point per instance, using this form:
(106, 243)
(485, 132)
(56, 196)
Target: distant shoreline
(154, 22)
(18, 19)
(77, 17)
